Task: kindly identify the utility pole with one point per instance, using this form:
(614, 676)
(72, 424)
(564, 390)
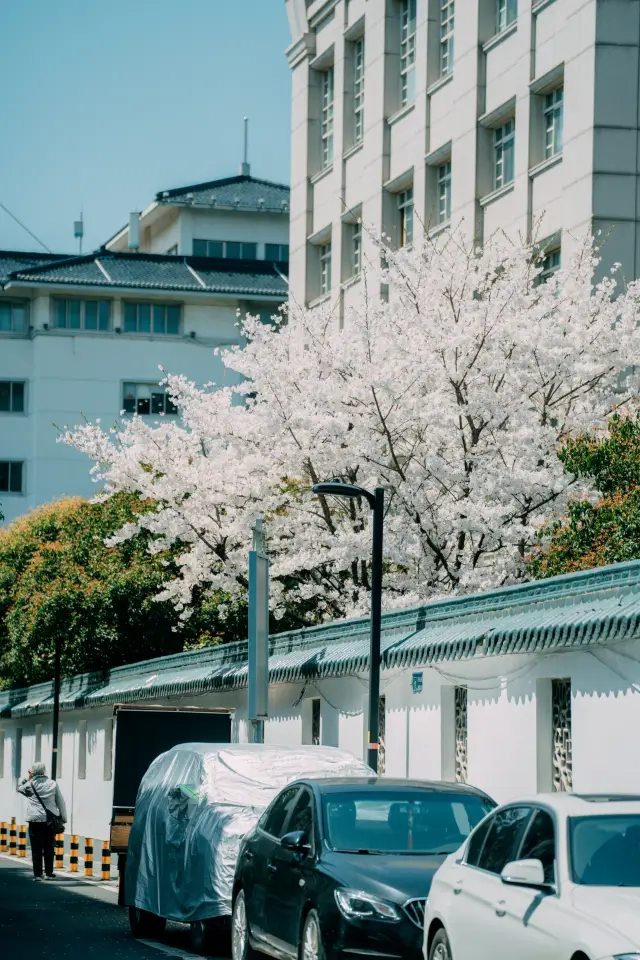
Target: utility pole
(258, 633)
(56, 707)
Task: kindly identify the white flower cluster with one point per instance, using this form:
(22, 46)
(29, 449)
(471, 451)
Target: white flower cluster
(452, 392)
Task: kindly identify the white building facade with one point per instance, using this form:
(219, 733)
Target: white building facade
(416, 115)
(83, 338)
(523, 689)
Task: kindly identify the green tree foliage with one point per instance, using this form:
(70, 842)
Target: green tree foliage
(594, 534)
(58, 579)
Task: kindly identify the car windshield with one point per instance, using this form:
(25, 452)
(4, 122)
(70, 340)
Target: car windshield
(605, 850)
(401, 821)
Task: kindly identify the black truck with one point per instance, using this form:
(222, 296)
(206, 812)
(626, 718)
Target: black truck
(142, 733)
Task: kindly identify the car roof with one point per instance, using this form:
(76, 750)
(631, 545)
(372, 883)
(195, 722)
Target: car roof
(586, 804)
(342, 784)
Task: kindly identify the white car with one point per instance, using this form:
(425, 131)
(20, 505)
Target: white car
(554, 877)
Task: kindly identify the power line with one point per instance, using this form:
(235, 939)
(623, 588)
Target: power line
(20, 224)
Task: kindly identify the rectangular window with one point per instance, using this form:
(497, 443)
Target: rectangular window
(12, 396)
(407, 51)
(225, 249)
(506, 14)
(315, 722)
(405, 212)
(461, 703)
(145, 399)
(444, 192)
(549, 265)
(277, 251)
(11, 476)
(82, 750)
(358, 90)
(159, 318)
(504, 145)
(356, 249)
(17, 753)
(107, 769)
(38, 743)
(447, 11)
(82, 314)
(326, 119)
(561, 733)
(13, 316)
(553, 122)
(325, 269)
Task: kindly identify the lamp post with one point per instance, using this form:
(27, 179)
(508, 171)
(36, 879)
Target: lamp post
(56, 708)
(376, 503)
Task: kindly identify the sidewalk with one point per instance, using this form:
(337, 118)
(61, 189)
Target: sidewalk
(111, 885)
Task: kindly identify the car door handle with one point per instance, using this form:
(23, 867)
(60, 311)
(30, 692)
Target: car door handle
(271, 867)
(499, 907)
(458, 886)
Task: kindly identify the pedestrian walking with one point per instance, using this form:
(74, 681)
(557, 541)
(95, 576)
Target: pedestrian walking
(46, 816)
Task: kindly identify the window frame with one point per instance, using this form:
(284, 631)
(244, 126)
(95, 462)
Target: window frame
(356, 248)
(225, 246)
(405, 203)
(265, 817)
(407, 51)
(82, 302)
(281, 248)
(9, 492)
(327, 111)
(489, 826)
(304, 790)
(151, 304)
(503, 142)
(444, 180)
(13, 303)
(506, 14)
(540, 808)
(553, 122)
(358, 90)
(157, 391)
(445, 42)
(12, 384)
(324, 259)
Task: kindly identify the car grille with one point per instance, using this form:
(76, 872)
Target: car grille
(414, 909)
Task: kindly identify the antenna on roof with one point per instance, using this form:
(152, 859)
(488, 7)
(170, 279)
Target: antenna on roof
(78, 231)
(245, 169)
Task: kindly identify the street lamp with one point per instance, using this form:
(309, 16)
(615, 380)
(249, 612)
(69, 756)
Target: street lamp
(376, 501)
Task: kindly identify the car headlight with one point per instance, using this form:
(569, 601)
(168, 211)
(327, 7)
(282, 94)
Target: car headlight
(627, 956)
(356, 905)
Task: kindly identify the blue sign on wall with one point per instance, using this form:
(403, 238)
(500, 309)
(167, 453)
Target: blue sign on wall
(416, 682)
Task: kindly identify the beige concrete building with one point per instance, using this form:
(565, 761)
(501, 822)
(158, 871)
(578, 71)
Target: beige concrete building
(418, 114)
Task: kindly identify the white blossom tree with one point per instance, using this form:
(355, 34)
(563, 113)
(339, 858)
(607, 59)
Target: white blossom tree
(451, 390)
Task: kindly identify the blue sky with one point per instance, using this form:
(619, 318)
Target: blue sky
(105, 104)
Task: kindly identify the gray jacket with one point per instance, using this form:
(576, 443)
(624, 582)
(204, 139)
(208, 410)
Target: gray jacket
(49, 793)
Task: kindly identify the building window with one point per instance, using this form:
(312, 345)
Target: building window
(326, 124)
(277, 251)
(225, 249)
(159, 318)
(12, 396)
(13, 316)
(405, 212)
(38, 745)
(504, 141)
(82, 314)
(444, 192)
(553, 119)
(146, 398)
(561, 732)
(407, 51)
(356, 249)
(447, 9)
(325, 269)
(550, 264)
(460, 702)
(507, 13)
(358, 90)
(11, 476)
(315, 722)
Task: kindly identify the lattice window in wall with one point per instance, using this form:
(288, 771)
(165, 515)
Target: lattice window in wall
(382, 716)
(561, 731)
(461, 734)
(315, 722)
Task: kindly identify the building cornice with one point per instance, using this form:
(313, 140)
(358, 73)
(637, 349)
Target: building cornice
(303, 49)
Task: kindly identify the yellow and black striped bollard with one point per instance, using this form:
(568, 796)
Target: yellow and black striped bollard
(59, 845)
(106, 861)
(4, 834)
(88, 857)
(12, 837)
(22, 840)
(73, 856)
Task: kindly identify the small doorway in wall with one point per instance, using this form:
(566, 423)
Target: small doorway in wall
(315, 721)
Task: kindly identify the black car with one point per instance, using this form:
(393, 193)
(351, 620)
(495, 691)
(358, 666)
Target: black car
(343, 867)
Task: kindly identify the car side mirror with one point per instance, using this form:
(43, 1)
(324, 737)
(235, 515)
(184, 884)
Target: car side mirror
(296, 842)
(524, 873)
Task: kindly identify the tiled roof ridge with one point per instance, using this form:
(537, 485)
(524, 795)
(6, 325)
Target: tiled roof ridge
(221, 182)
(32, 254)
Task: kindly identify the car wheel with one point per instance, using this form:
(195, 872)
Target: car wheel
(145, 925)
(240, 933)
(311, 947)
(440, 947)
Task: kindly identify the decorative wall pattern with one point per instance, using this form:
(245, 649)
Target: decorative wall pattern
(561, 731)
(461, 734)
(382, 716)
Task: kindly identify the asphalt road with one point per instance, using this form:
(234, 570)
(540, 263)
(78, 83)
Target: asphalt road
(69, 918)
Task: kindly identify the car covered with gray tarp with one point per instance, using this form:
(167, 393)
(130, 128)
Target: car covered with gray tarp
(195, 804)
